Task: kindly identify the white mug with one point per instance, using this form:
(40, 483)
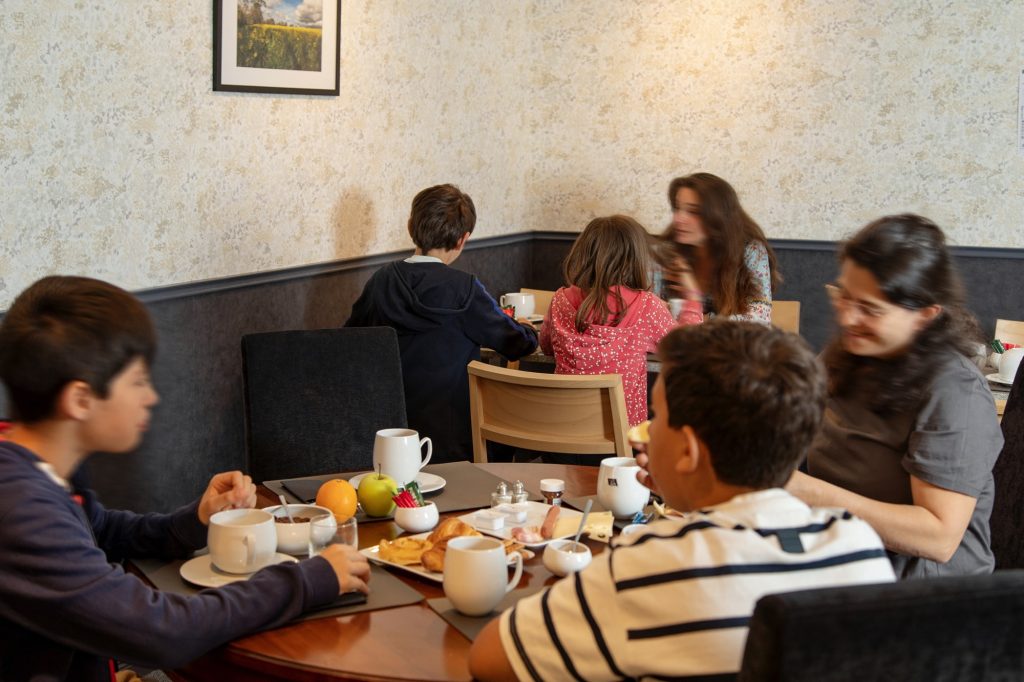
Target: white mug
(675, 307)
(242, 540)
(618, 489)
(1009, 362)
(475, 572)
(397, 452)
(524, 303)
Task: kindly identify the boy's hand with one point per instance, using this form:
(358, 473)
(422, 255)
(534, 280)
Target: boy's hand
(351, 567)
(644, 476)
(228, 490)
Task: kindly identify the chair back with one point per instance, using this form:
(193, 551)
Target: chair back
(314, 399)
(1007, 519)
(547, 412)
(786, 315)
(1010, 331)
(541, 300)
(926, 630)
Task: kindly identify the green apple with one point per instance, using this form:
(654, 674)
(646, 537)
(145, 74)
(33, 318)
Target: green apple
(374, 494)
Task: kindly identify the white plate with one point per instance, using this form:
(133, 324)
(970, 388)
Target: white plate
(373, 554)
(998, 379)
(566, 526)
(428, 482)
(201, 571)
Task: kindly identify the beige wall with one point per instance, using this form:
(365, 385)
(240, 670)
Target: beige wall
(118, 161)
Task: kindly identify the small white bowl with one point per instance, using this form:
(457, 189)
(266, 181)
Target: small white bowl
(293, 538)
(416, 519)
(633, 528)
(560, 559)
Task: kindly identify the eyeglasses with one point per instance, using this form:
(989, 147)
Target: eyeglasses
(842, 300)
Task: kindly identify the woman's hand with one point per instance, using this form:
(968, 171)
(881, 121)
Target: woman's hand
(685, 281)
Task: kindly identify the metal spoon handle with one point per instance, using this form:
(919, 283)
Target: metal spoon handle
(583, 523)
(287, 511)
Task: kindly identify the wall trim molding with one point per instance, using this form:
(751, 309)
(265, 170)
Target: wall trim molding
(223, 284)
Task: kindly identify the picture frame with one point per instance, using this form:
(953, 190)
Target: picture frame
(280, 46)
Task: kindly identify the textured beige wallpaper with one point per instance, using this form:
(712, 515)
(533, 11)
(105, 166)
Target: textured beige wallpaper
(117, 160)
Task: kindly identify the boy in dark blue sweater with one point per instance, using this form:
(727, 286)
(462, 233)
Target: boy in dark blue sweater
(74, 358)
(442, 317)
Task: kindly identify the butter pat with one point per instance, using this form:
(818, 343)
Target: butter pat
(489, 520)
(516, 513)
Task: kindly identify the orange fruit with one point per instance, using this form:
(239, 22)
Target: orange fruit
(339, 496)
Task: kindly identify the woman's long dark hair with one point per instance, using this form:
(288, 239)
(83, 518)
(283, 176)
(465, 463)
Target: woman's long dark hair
(907, 255)
(729, 229)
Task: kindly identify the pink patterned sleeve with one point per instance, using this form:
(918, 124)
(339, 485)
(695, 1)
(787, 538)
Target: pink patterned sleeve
(759, 309)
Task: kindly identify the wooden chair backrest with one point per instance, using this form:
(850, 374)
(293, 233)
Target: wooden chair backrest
(786, 315)
(576, 414)
(1010, 331)
(541, 300)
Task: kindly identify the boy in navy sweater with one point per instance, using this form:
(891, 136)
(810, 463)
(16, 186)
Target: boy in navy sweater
(74, 358)
(442, 317)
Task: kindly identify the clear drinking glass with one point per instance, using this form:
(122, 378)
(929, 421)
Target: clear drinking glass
(324, 531)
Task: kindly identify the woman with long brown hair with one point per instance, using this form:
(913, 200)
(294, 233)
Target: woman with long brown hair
(715, 252)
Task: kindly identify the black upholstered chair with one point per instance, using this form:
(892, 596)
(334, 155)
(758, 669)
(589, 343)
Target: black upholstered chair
(314, 399)
(1007, 520)
(927, 630)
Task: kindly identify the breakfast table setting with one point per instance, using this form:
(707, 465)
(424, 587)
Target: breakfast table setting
(507, 530)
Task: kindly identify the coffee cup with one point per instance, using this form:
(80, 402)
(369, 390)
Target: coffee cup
(675, 307)
(397, 453)
(524, 303)
(476, 574)
(242, 540)
(1009, 362)
(618, 489)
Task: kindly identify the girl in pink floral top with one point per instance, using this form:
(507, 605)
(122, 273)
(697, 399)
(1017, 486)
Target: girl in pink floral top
(605, 321)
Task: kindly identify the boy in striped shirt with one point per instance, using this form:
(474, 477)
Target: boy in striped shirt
(735, 408)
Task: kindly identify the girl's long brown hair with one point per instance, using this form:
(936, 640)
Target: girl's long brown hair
(729, 230)
(611, 251)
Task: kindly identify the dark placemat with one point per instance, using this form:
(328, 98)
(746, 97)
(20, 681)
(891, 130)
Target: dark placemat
(470, 626)
(467, 487)
(386, 591)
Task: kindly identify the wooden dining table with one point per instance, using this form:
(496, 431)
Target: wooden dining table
(404, 643)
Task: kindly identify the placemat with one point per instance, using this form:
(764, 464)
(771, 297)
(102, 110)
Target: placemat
(386, 591)
(467, 487)
(470, 626)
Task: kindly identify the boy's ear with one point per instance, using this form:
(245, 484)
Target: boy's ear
(75, 400)
(462, 241)
(690, 454)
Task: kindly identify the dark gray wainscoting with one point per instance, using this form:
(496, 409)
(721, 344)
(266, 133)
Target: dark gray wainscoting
(197, 429)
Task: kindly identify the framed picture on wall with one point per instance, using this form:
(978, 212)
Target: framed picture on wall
(284, 46)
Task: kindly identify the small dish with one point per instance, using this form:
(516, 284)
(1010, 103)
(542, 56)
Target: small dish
(417, 519)
(997, 378)
(563, 557)
(201, 571)
(293, 538)
(428, 483)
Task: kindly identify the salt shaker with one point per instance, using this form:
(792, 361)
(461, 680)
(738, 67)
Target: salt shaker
(519, 493)
(501, 495)
(552, 489)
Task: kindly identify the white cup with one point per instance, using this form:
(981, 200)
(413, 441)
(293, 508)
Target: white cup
(524, 303)
(1009, 362)
(563, 557)
(475, 574)
(618, 490)
(675, 307)
(417, 519)
(242, 540)
(398, 454)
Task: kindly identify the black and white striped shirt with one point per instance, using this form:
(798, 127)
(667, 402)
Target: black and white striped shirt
(674, 601)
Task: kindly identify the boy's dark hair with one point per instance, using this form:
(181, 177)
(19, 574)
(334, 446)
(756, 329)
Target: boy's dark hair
(440, 216)
(754, 395)
(64, 329)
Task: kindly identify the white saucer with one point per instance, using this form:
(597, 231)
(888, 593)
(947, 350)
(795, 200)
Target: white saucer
(201, 571)
(428, 482)
(998, 379)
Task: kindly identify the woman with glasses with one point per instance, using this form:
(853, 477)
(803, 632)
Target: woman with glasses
(910, 434)
(714, 256)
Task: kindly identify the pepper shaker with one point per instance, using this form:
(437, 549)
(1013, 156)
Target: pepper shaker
(501, 495)
(519, 493)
